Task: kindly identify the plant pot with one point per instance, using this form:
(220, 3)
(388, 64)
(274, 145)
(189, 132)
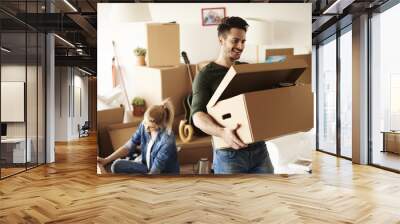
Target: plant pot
(138, 111)
(140, 60)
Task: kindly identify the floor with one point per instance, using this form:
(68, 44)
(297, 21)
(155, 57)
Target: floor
(69, 191)
(10, 171)
(13, 169)
(387, 159)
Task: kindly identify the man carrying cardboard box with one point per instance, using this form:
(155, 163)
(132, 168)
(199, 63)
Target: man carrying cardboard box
(240, 158)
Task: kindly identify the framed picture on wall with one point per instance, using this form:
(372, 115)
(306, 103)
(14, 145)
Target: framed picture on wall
(212, 16)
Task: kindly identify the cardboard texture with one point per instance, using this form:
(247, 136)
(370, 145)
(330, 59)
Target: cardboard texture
(104, 119)
(250, 95)
(280, 51)
(193, 151)
(163, 44)
(156, 84)
(305, 77)
(121, 133)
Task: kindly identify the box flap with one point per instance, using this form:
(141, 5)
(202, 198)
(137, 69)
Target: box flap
(279, 51)
(245, 78)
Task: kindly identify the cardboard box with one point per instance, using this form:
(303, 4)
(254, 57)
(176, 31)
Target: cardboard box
(305, 77)
(121, 133)
(104, 119)
(249, 95)
(163, 46)
(156, 84)
(279, 51)
(191, 152)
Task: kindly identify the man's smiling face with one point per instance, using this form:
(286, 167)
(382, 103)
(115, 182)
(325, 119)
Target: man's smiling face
(233, 43)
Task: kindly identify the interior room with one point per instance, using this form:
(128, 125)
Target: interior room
(119, 34)
(55, 89)
(22, 100)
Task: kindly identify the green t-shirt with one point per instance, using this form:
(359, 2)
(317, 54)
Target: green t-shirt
(205, 84)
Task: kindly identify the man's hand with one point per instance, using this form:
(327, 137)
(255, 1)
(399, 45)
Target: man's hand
(208, 125)
(230, 137)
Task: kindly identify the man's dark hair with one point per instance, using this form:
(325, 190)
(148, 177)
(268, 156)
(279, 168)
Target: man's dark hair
(227, 23)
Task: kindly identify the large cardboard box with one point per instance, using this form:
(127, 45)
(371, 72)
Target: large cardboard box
(251, 95)
(163, 44)
(157, 84)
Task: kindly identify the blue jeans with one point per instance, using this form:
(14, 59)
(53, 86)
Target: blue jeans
(253, 159)
(128, 166)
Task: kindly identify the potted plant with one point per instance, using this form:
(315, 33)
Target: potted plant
(138, 106)
(140, 56)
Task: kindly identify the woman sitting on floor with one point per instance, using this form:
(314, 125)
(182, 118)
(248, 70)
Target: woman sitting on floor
(157, 142)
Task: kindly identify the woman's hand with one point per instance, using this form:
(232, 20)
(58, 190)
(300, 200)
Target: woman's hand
(102, 161)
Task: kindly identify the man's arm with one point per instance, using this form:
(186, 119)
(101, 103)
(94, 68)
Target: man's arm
(208, 125)
(201, 95)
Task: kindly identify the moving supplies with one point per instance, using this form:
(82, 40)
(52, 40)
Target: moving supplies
(163, 44)
(282, 54)
(156, 84)
(104, 119)
(279, 52)
(251, 95)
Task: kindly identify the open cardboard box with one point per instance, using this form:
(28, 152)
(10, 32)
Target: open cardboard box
(250, 95)
(285, 53)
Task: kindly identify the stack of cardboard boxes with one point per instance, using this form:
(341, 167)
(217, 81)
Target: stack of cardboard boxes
(164, 76)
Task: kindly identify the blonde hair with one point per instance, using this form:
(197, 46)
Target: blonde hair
(162, 115)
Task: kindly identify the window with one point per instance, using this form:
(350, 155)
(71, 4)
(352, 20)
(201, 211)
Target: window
(385, 87)
(346, 93)
(22, 65)
(394, 101)
(327, 96)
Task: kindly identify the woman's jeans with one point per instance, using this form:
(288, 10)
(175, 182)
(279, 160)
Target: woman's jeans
(253, 159)
(128, 166)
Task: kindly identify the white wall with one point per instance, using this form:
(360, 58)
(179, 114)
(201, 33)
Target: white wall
(61, 103)
(68, 80)
(34, 124)
(12, 73)
(80, 83)
(291, 28)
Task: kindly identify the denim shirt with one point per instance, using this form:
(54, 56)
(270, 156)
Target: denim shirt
(163, 156)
